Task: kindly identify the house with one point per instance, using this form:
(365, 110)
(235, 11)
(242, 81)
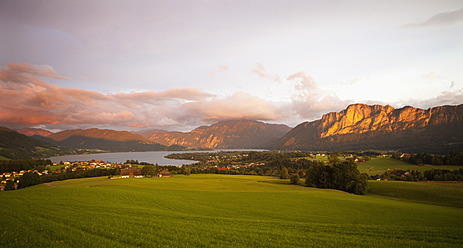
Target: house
(132, 172)
(164, 173)
(404, 154)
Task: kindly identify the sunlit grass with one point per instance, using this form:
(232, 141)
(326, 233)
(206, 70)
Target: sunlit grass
(382, 164)
(216, 211)
(440, 193)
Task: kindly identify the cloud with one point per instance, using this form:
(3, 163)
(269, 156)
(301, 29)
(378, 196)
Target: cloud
(305, 82)
(431, 75)
(26, 99)
(445, 98)
(262, 72)
(172, 94)
(441, 19)
(23, 73)
(222, 68)
(310, 102)
(240, 105)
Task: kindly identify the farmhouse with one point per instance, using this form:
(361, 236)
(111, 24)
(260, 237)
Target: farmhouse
(132, 172)
(164, 173)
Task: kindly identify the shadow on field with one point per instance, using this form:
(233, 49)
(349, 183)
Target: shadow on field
(275, 182)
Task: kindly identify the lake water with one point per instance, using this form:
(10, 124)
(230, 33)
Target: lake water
(156, 157)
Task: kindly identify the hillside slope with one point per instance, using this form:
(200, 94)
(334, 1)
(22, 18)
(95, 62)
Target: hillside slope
(14, 145)
(104, 139)
(360, 127)
(34, 131)
(225, 134)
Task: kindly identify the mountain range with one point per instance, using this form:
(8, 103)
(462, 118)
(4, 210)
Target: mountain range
(14, 145)
(365, 127)
(224, 135)
(358, 127)
(104, 139)
(34, 131)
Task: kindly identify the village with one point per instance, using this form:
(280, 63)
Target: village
(126, 170)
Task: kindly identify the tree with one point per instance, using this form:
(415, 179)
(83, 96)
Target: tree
(149, 170)
(319, 175)
(294, 179)
(284, 173)
(28, 179)
(333, 159)
(9, 185)
(186, 171)
(337, 175)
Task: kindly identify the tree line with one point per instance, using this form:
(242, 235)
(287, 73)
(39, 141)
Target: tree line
(452, 158)
(336, 174)
(19, 165)
(428, 175)
(32, 178)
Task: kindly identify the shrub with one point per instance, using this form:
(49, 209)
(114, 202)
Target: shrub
(294, 179)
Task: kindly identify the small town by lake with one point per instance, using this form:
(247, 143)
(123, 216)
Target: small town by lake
(155, 157)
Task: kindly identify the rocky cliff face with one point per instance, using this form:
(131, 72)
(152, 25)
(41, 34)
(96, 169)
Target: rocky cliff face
(225, 134)
(363, 126)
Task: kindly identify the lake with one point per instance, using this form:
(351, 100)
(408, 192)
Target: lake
(156, 157)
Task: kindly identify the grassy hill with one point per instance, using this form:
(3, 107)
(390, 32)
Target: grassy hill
(14, 145)
(217, 211)
(104, 139)
(447, 194)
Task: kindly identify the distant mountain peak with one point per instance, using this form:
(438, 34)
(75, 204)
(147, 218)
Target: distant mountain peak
(104, 139)
(96, 133)
(34, 131)
(359, 125)
(235, 133)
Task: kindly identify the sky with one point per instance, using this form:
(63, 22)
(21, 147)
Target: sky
(177, 65)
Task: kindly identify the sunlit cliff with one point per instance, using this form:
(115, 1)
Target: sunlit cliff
(362, 126)
(225, 134)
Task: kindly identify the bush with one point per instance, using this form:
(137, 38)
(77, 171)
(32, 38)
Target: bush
(149, 170)
(9, 185)
(284, 173)
(294, 179)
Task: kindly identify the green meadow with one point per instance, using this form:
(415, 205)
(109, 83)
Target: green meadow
(223, 211)
(382, 164)
(439, 193)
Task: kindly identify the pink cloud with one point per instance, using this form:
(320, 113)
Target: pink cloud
(23, 73)
(262, 72)
(310, 102)
(222, 68)
(27, 99)
(240, 105)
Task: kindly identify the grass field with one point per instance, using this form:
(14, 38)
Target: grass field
(439, 193)
(218, 211)
(382, 164)
(318, 158)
